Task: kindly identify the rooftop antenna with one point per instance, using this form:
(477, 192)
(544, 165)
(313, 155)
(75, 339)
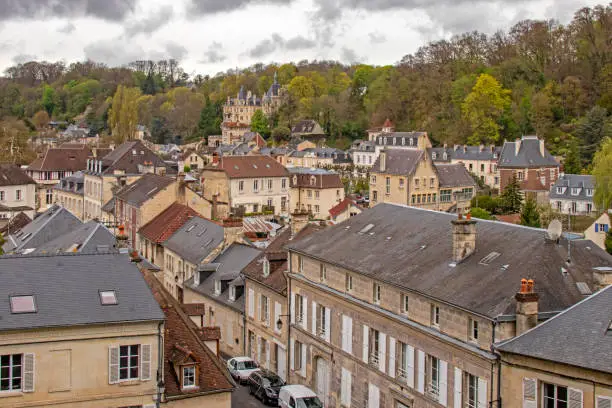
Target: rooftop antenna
(554, 230)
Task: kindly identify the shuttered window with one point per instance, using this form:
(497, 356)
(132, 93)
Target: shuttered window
(530, 393)
(129, 362)
(603, 402)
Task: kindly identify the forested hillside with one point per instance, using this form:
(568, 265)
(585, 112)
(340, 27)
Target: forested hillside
(539, 77)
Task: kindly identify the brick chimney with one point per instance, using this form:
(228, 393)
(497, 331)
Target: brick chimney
(180, 188)
(464, 237)
(232, 230)
(382, 160)
(517, 146)
(541, 147)
(299, 219)
(526, 307)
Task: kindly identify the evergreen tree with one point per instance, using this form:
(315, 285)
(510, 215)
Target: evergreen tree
(48, 99)
(209, 123)
(530, 216)
(512, 197)
(572, 160)
(259, 123)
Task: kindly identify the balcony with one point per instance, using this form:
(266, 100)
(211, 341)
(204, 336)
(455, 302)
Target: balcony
(373, 360)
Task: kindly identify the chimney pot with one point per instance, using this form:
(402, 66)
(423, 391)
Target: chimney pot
(526, 307)
(523, 285)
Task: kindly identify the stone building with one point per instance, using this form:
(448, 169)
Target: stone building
(17, 192)
(69, 193)
(366, 153)
(573, 194)
(480, 161)
(457, 188)
(382, 327)
(315, 191)
(598, 230)
(344, 210)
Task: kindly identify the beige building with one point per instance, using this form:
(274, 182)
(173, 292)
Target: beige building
(598, 230)
(382, 327)
(481, 161)
(315, 191)
(249, 184)
(17, 192)
(344, 210)
(541, 370)
(69, 193)
(101, 350)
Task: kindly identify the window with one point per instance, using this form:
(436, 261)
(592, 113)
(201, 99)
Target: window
(348, 280)
(589, 192)
(255, 185)
(217, 287)
(241, 185)
(473, 330)
(373, 179)
(284, 184)
(309, 193)
(232, 293)
(472, 397)
(297, 356)
(435, 315)
(374, 196)
(433, 375)
(299, 309)
(555, 396)
(321, 321)
(264, 314)
(11, 372)
(520, 175)
(388, 185)
(23, 304)
(374, 342)
(18, 195)
(376, 293)
(270, 184)
(108, 297)
(404, 303)
(2, 196)
(401, 183)
(416, 183)
(317, 193)
(322, 273)
(266, 268)
(446, 196)
(575, 191)
(317, 209)
(432, 182)
(189, 376)
(403, 361)
(49, 196)
(471, 167)
(300, 264)
(413, 199)
(128, 362)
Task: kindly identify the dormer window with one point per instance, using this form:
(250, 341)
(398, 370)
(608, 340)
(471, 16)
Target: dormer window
(589, 192)
(217, 287)
(411, 141)
(434, 155)
(444, 156)
(189, 376)
(232, 293)
(266, 268)
(575, 191)
(559, 190)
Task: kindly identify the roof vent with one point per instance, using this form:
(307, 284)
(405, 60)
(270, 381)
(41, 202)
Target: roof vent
(487, 259)
(505, 267)
(190, 228)
(366, 228)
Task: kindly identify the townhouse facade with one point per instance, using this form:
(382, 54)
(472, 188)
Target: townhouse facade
(573, 194)
(315, 191)
(481, 161)
(69, 193)
(387, 331)
(17, 192)
(366, 153)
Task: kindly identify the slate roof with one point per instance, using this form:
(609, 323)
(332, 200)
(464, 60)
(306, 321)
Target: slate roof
(454, 175)
(72, 184)
(251, 167)
(128, 156)
(399, 139)
(66, 290)
(483, 153)
(364, 146)
(143, 189)
(412, 248)
(401, 162)
(585, 329)
(167, 222)
(109, 207)
(16, 223)
(528, 155)
(566, 182)
(90, 237)
(180, 333)
(303, 177)
(62, 160)
(307, 127)
(196, 239)
(12, 175)
(54, 222)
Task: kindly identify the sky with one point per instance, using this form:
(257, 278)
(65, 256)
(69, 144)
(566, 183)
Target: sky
(209, 36)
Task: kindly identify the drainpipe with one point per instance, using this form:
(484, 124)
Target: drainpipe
(498, 362)
(244, 316)
(288, 357)
(160, 364)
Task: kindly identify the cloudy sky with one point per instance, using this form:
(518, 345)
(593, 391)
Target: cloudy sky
(209, 36)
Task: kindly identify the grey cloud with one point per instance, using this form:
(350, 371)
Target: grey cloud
(67, 28)
(203, 7)
(349, 55)
(114, 52)
(213, 55)
(111, 10)
(377, 38)
(276, 42)
(176, 51)
(21, 58)
(299, 43)
(150, 23)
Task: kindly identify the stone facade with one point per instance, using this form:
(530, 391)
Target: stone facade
(597, 231)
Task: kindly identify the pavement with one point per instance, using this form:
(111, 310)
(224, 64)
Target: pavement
(242, 399)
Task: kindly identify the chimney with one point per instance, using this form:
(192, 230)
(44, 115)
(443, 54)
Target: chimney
(464, 148)
(517, 146)
(541, 147)
(232, 231)
(526, 307)
(180, 188)
(464, 237)
(481, 148)
(383, 160)
(455, 147)
(299, 219)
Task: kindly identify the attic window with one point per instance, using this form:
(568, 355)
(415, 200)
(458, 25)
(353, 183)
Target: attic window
(487, 259)
(232, 293)
(202, 232)
(108, 297)
(26, 236)
(266, 268)
(217, 287)
(366, 228)
(23, 304)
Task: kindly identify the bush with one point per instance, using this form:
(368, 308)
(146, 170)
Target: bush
(480, 213)
(492, 205)
(187, 168)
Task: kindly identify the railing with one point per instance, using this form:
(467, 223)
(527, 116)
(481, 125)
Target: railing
(321, 332)
(433, 389)
(373, 360)
(402, 374)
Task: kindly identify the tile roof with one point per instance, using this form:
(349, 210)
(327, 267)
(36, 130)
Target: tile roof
(167, 222)
(16, 223)
(529, 154)
(401, 162)
(341, 206)
(128, 156)
(195, 239)
(454, 175)
(86, 238)
(48, 277)
(585, 329)
(62, 160)
(143, 189)
(181, 334)
(251, 166)
(562, 189)
(412, 248)
(314, 178)
(12, 175)
(484, 153)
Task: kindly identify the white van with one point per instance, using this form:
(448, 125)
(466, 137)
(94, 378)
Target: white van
(298, 396)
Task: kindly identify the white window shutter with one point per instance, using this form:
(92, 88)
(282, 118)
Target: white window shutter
(145, 362)
(268, 310)
(268, 355)
(345, 387)
(350, 335)
(328, 324)
(391, 357)
(292, 308)
(28, 372)
(258, 353)
(382, 351)
(314, 318)
(251, 303)
(575, 398)
(458, 388)
(421, 371)
(303, 369)
(113, 365)
(410, 364)
(305, 313)
(530, 393)
(373, 396)
(258, 308)
(344, 334)
(604, 402)
(482, 393)
(366, 346)
(292, 354)
(277, 313)
(443, 392)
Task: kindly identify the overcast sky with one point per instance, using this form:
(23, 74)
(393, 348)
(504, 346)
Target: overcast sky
(209, 36)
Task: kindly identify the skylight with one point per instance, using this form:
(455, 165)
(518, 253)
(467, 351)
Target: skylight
(26, 236)
(23, 304)
(108, 297)
(366, 228)
(487, 259)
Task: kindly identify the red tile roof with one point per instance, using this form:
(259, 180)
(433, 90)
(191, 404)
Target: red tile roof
(167, 222)
(62, 160)
(510, 218)
(341, 206)
(251, 166)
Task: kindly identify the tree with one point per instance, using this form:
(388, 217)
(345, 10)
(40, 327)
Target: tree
(281, 134)
(210, 119)
(602, 171)
(530, 216)
(123, 114)
(14, 146)
(512, 197)
(608, 242)
(48, 99)
(301, 87)
(186, 168)
(481, 213)
(41, 119)
(259, 123)
(592, 129)
(572, 160)
(483, 108)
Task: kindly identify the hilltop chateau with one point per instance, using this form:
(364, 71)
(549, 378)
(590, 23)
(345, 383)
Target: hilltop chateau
(237, 112)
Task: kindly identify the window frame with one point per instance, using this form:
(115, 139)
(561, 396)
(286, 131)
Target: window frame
(376, 293)
(471, 391)
(473, 330)
(184, 384)
(11, 374)
(435, 315)
(348, 282)
(555, 398)
(129, 366)
(404, 303)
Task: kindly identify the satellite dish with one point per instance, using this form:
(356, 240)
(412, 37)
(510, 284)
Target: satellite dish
(554, 230)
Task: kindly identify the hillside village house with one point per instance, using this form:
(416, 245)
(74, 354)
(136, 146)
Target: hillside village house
(457, 188)
(53, 166)
(318, 157)
(366, 153)
(256, 184)
(480, 161)
(101, 350)
(573, 194)
(539, 370)
(310, 130)
(315, 190)
(533, 166)
(344, 210)
(69, 193)
(17, 192)
(388, 330)
(597, 231)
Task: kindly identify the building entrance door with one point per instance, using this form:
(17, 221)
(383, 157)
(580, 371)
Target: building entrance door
(322, 380)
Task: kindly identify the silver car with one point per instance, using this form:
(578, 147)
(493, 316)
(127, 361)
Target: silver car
(241, 368)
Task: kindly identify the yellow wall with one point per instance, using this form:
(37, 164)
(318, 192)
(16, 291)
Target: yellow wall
(328, 198)
(219, 400)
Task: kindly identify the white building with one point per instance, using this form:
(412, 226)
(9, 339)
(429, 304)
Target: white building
(573, 194)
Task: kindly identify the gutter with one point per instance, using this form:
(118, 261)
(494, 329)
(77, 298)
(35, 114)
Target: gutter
(160, 364)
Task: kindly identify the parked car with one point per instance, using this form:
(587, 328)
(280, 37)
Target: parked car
(265, 385)
(298, 396)
(241, 368)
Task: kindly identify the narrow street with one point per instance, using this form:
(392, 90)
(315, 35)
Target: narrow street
(242, 399)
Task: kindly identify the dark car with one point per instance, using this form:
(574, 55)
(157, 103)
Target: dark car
(265, 385)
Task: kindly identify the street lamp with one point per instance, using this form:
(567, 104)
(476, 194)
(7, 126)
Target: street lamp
(279, 322)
